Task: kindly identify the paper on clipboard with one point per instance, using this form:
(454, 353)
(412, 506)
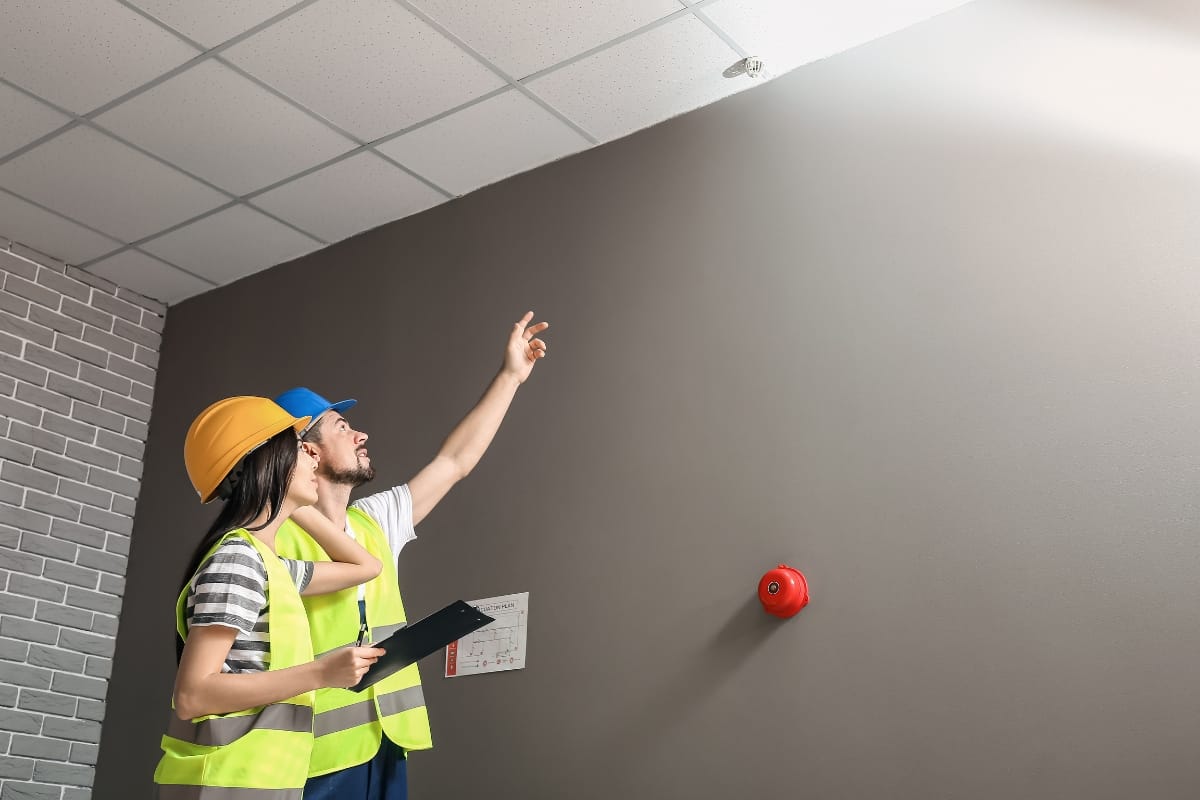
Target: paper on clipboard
(413, 642)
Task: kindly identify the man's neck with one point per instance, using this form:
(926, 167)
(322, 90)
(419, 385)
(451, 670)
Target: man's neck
(332, 500)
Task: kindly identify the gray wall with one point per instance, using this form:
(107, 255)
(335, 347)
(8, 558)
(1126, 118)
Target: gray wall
(948, 371)
(77, 361)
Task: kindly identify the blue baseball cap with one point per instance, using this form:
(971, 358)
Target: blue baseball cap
(294, 399)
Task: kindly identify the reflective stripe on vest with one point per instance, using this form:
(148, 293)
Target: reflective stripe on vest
(363, 713)
(258, 754)
(219, 731)
(169, 791)
(334, 620)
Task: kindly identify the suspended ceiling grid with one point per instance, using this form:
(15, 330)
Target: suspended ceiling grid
(172, 146)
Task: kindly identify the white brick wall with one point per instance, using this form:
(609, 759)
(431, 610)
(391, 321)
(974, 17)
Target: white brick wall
(77, 364)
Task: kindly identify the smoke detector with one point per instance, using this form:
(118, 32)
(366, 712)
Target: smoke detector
(750, 65)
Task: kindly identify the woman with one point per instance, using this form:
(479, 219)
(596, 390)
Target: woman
(242, 726)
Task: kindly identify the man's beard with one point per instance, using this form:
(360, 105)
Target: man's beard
(356, 476)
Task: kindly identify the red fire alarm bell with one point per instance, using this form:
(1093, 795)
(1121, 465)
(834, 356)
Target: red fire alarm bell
(783, 591)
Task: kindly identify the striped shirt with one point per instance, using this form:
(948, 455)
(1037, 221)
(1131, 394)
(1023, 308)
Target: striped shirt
(230, 589)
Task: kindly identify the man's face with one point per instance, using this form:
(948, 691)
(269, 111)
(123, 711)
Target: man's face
(342, 450)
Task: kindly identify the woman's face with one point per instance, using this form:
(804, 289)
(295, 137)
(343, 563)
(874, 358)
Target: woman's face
(303, 487)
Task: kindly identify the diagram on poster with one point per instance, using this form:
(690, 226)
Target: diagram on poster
(498, 646)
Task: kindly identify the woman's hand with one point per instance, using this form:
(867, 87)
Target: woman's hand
(344, 667)
(349, 564)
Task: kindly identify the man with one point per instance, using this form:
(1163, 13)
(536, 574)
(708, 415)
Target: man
(362, 738)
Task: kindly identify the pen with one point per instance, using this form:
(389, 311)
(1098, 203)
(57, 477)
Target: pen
(362, 635)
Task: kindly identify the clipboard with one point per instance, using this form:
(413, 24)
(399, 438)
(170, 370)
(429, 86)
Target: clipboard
(413, 642)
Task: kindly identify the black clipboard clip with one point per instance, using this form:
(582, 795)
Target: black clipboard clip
(413, 642)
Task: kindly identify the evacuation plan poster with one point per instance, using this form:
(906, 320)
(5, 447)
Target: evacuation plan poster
(498, 646)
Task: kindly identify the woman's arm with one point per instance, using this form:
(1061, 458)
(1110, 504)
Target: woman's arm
(349, 563)
(201, 688)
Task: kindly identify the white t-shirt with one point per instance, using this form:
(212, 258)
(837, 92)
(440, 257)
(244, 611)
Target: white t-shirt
(392, 509)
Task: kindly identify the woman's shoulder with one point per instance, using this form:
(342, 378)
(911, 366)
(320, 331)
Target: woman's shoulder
(234, 552)
(233, 543)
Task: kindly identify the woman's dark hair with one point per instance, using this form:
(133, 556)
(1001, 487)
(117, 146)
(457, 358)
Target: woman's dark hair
(262, 484)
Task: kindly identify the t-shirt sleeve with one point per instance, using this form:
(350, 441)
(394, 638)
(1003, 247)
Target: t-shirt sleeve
(230, 588)
(392, 509)
(301, 572)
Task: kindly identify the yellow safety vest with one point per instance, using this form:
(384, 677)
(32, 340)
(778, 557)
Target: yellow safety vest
(349, 726)
(258, 754)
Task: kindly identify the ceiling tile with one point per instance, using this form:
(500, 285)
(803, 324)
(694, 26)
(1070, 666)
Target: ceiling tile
(24, 119)
(525, 36)
(231, 244)
(351, 196)
(370, 66)
(100, 182)
(481, 144)
(79, 54)
(224, 128)
(788, 33)
(665, 71)
(50, 234)
(214, 21)
(149, 276)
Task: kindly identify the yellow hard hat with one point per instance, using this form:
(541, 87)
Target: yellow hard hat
(225, 433)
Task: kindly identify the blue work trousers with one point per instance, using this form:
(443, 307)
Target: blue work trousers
(384, 777)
